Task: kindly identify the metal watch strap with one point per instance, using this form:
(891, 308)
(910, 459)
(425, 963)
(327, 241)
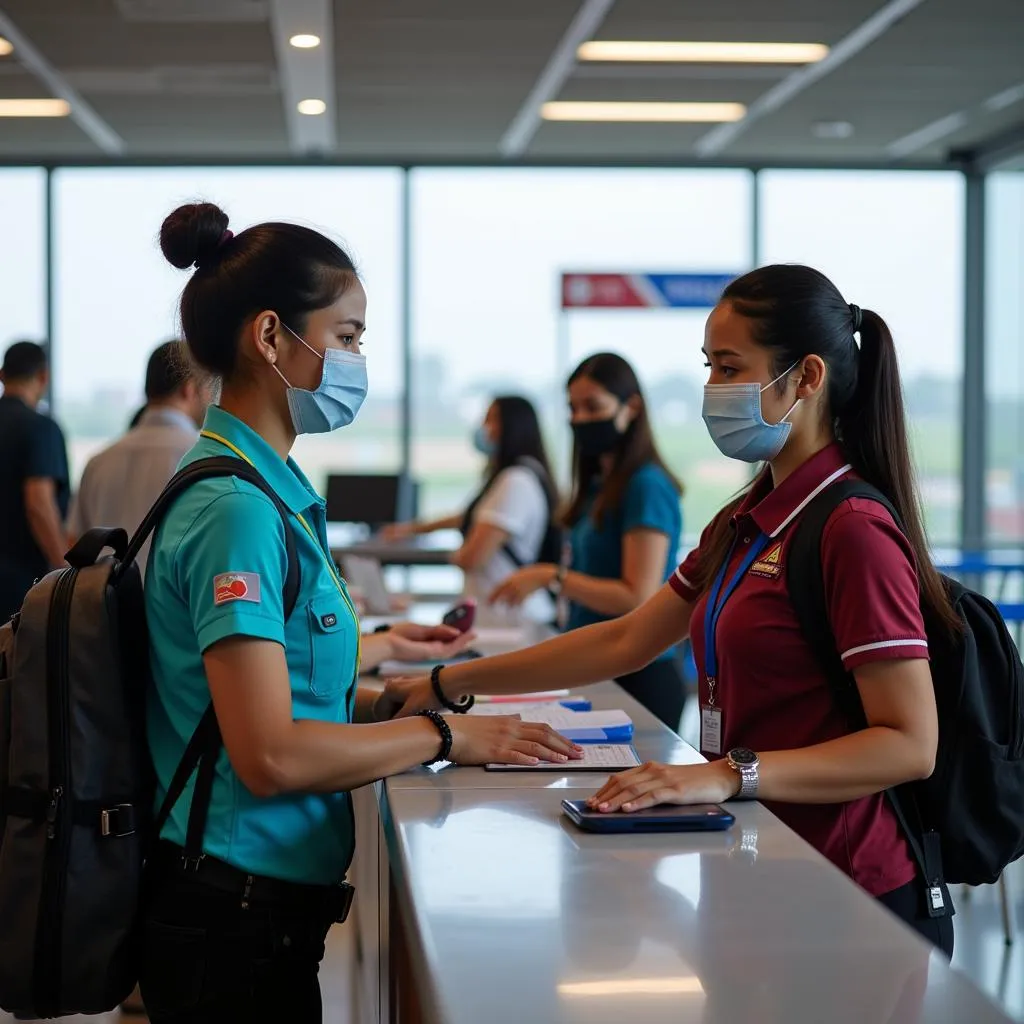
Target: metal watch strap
(749, 779)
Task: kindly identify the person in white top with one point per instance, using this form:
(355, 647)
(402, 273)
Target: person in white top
(120, 483)
(510, 523)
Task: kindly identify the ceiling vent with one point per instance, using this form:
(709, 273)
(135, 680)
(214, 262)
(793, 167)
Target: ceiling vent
(194, 10)
(198, 80)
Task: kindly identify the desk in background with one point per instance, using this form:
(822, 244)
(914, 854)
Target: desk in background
(435, 549)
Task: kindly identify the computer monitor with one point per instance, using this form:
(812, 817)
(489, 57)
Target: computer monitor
(370, 498)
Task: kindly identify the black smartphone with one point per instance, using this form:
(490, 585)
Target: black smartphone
(661, 818)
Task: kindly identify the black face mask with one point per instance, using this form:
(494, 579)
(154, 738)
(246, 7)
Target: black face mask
(598, 437)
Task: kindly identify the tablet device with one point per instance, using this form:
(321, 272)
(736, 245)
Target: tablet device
(661, 818)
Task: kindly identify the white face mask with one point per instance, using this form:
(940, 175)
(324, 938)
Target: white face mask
(732, 413)
(336, 402)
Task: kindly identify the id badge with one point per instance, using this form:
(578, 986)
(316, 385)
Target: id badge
(710, 730)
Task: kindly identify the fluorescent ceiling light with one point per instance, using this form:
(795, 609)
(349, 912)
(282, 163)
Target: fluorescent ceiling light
(311, 106)
(716, 53)
(648, 112)
(34, 108)
(305, 41)
(5, 47)
(687, 985)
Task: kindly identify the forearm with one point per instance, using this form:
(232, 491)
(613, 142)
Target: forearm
(47, 531)
(452, 522)
(366, 698)
(325, 757)
(606, 597)
(853, 766)
(377, 648)
(478, 548)
(589, 655)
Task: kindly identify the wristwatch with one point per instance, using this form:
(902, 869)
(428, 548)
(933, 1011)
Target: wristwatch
(747, 763)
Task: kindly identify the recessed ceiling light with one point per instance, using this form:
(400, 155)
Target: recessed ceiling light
(832, 129)
(305, 41)
(648, 112)
(5, 47)
(716, 53)
(34, 108)
(312, 106)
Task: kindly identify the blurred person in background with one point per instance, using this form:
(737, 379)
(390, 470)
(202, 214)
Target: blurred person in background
(121, 483)
(510, 523)
(34, 487)
(625, 523)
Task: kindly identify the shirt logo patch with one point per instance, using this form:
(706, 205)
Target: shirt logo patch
(236, 586)
(769, 565)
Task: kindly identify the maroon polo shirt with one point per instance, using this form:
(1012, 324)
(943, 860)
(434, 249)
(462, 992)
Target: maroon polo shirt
(772, 692)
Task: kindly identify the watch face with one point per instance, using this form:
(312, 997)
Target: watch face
(743, 755)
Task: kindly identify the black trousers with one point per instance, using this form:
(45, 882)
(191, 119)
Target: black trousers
(206, 959)
(908, 904)
(660, 688)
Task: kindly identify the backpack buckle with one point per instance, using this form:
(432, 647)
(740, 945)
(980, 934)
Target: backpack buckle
(118, 821)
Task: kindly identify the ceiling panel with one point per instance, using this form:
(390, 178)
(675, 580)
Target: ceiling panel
(444, 79)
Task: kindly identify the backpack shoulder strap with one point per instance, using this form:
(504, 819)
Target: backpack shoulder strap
(805, 582)
(205, 743)
(207, 469)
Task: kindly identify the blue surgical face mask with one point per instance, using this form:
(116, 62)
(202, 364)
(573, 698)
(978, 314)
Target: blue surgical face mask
(337, 400)
(732, 413)
(484, 443)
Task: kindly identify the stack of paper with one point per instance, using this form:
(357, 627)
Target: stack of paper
(519, 698)
(578, 726)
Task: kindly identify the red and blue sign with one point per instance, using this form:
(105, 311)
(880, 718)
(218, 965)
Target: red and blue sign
(643, 291)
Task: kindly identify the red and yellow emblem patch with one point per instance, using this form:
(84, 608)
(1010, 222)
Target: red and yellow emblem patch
(769, 565)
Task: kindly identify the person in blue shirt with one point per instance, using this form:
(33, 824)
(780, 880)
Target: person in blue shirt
(277, 313)
(625, 522)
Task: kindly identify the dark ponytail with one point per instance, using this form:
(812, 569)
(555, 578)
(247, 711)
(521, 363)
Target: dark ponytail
(797, 312)
(872, 429)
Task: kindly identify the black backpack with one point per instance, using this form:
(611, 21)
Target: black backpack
(965, 823)
(76, 779)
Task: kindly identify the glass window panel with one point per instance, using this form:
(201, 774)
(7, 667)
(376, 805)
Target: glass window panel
(893, 242)
(117, 296)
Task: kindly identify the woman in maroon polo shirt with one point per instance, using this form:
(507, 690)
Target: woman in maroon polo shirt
(789, 386)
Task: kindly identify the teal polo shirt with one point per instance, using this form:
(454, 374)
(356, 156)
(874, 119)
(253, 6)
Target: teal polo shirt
(217, 570)
(650, 502)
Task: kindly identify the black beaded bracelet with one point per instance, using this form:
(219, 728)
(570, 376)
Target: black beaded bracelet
(446, 736)
(461, 707)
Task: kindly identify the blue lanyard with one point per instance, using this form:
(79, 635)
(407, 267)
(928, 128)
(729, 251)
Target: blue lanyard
(716, 602)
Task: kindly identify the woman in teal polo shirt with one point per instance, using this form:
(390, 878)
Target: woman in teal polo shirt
(625, 520)
(278, 314)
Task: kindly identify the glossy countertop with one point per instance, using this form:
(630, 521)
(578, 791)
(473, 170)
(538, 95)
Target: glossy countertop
(516, 917)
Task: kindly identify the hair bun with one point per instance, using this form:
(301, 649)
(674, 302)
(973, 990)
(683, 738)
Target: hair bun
(192, 233)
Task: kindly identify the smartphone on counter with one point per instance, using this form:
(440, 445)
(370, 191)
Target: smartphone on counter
(661, 818)
(462, 616)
